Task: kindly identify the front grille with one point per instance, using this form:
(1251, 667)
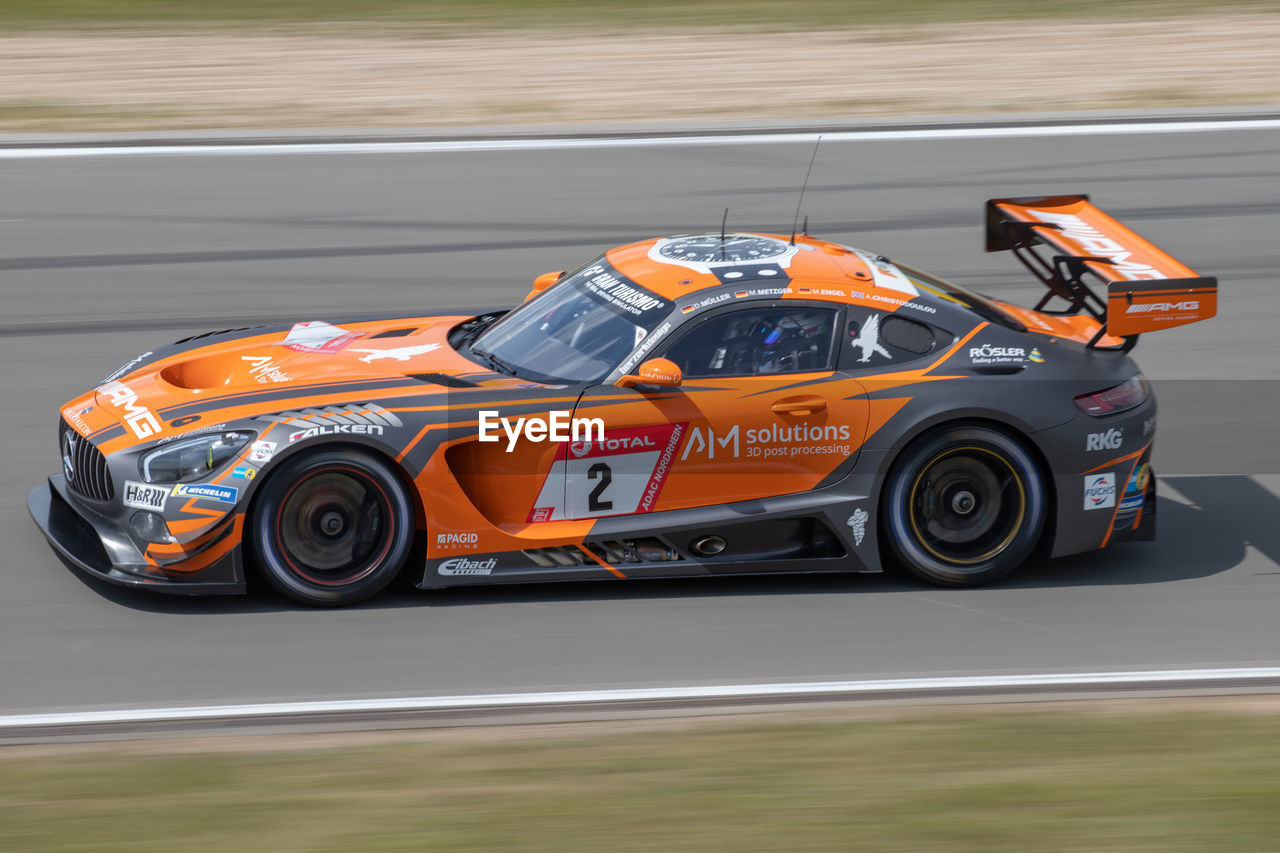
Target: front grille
(89, 476)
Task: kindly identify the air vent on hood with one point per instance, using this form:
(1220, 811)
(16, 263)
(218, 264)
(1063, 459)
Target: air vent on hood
(393, 333)
(218, 332)
(443, 379)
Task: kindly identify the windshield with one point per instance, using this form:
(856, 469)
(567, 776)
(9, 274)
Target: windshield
(575, 331)
(980, 305)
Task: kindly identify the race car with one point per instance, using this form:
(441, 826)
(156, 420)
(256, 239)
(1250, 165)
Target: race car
(692, 405)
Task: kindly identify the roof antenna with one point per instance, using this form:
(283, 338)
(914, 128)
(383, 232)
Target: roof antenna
(723, 221)
(803, 187)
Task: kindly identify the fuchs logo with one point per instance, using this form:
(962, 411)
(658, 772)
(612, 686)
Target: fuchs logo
(138, 417)
(464, 566)
(1099, 490)
(348, 429)
(1163, 307)
(1109, 440)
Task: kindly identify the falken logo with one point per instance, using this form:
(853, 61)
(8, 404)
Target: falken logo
(139, 418)
(1099, 491)
(209, 492)
(347, 429)
(1109, 440)
(464, 566)
(858, 524)
(1163, 307)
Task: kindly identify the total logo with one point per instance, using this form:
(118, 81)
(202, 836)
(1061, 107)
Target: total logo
(466, 566)
(1100, 490)
(632, 442)
(1112, 439)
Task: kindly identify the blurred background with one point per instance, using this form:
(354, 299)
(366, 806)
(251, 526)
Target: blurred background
(166, 64)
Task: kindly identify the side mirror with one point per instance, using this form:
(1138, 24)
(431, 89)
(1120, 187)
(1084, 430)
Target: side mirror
(544, 281)
(659, 372)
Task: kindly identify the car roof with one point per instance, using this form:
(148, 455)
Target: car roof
(828, 271)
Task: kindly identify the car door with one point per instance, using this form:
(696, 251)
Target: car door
(761, 412)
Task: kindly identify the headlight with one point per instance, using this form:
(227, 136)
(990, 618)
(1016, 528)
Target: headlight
(192, 458)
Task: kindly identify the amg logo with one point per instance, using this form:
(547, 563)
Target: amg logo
(1163, 307)
(348, 429)
(464, 566)
(138, 417)
(1094, 242)
(1109, 440)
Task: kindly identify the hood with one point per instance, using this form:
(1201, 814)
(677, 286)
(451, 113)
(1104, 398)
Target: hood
(280, 369)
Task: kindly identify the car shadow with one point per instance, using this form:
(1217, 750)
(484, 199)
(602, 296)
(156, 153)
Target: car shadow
(1205, 535)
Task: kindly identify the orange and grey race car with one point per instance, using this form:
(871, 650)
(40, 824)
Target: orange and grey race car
(690, 405)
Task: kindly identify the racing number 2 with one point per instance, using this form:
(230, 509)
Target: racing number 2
(599, 471)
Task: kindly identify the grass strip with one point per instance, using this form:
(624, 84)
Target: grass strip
(938, 781)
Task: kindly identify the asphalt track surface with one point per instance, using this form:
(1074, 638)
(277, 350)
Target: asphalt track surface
(102, 257)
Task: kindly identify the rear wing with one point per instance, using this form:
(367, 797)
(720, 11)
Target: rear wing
(1146, 289)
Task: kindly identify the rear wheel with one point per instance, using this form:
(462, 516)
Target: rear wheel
(332, 527)
(964, 506)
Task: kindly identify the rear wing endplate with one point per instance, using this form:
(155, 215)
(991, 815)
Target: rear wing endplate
(1146, 289)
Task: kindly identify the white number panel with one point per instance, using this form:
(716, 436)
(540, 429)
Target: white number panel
(622, 474)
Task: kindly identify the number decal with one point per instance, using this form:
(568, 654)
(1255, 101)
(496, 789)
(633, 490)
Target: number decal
(604, 474)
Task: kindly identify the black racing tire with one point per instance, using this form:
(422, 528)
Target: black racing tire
(331, 527)
(964, 506)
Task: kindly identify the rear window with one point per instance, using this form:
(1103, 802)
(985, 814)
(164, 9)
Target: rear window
(978, 304)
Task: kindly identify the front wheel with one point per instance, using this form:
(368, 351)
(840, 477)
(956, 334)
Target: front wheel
(964, 506)
(331, 527)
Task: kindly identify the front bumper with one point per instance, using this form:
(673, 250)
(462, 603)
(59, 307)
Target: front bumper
(84, 544)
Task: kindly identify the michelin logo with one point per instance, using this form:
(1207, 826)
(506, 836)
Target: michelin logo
(465, 566)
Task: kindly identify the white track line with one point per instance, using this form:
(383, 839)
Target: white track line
(1240, 677)
(638, 141)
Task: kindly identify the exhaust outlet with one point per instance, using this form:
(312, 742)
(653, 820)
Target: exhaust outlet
(708, 546)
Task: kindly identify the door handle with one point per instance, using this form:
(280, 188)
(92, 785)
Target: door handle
(799, 407)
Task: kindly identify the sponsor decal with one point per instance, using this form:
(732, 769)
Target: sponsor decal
(144, 495)
(465, 566)
(1135, 491)
(456, 541)
(76, 419)
(193, 432)
(542, 513)
(1100, 490)
(1148, 426)
(317, 336)
(262, 451)
(207, 492)
(244, 472)
(265, 369)
(769, 442)
(1035, 356)
(858, 524)
(1094, 242)
(646, 347)
(613, 291)
(126, 367)
(868, 340)
(336, 429)
(139, 418)
(987, 354)
(1112, 439)
(1163, 307)
(399, 354)
(559, 425)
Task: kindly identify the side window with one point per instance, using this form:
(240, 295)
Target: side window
(757, 342)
